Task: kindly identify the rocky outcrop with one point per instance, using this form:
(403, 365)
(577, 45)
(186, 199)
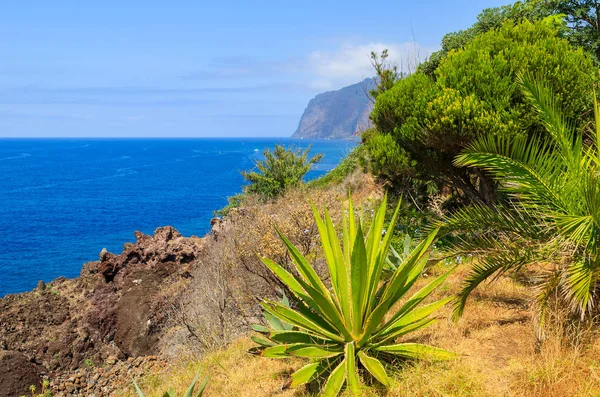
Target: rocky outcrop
(107, 380)
(17, 373)
(337, 114)
(116, 308)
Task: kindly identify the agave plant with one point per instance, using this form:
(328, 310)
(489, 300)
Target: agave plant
(553, 186)
(273, 323)
(171, 392)
(395, 258)
(358, 321)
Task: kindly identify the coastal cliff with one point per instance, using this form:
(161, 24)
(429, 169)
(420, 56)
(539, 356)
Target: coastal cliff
(337, 114)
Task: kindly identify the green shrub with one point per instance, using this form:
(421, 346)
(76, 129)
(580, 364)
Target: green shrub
(356, 322)
(388, 160)
(281, 169)
(489, 65)
(475, 94)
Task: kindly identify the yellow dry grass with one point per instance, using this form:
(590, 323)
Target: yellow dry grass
(495, 342)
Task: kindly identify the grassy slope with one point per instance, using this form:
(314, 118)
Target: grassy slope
(495, 341)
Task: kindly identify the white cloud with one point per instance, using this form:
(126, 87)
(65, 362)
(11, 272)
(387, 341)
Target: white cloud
(351, 63)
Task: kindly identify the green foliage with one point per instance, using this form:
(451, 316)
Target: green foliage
(234, 201)
(356, 321)
(489, 19)
(475, 94)
(553, 185)
(171, 392)
(400, 109)
(489, 65)
(281, 169)
(583, 21)
(388, 160)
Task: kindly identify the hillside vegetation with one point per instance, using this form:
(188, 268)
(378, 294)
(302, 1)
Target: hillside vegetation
(455, 252)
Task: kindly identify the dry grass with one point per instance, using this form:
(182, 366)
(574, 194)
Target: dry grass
(495, 341)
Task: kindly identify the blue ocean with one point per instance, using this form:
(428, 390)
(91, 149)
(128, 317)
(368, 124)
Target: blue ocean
(62, 201)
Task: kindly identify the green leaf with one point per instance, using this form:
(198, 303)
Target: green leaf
(298, 337)
(335, 381)
(262, 341)
(277, 351)
(359, 274)
(260, 328)
(351, 370)
(302, 265)
(300, 320)
(313, 351)
(305, 374)
(417, 350)
(375, 367)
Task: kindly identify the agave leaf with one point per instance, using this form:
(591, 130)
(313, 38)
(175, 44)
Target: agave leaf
(335, 381)
(262, 341)
(359, 274)
(305, 374)
(424, 292)
(310, 372)
(351, 370)
(260, 328)
(312, 296)
(343, 290)
(380, 261)
(375, 367)
(299, 320)
(376, 230)
(274, 322)
(277, 351)
(417, 350)
(302, 265)
(326, 244)
(326, 308)
(396, 332)
(313, 351)
(416, 299)
(298, 337)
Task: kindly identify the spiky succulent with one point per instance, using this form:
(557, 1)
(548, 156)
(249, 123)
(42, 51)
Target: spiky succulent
(359, 319)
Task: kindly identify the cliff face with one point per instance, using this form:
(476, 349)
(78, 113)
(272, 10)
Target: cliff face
(337, 114)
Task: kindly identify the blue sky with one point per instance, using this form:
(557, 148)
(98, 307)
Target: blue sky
(197, 68)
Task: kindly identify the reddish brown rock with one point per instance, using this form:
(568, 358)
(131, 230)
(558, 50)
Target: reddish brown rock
(17, 373)
(114, 309)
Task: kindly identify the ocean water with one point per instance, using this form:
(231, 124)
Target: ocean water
(62, 201)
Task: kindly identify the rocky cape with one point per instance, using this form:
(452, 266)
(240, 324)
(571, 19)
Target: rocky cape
(337, 114)
(83, 333)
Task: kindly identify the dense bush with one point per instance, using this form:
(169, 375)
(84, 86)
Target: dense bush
(475, 94)
(489, 65)
(281, 169)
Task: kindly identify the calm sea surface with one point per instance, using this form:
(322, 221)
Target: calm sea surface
(62, 201)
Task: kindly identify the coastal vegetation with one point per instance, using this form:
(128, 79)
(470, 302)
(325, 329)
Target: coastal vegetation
(457, 253)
